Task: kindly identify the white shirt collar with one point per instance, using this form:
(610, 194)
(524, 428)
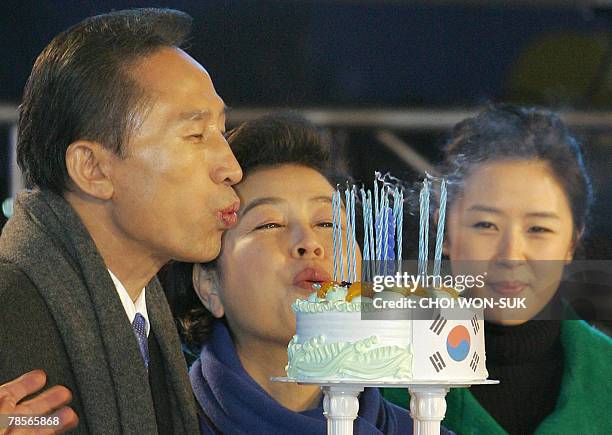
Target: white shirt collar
(130, 307)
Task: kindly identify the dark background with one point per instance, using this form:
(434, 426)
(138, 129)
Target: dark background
(345, 61)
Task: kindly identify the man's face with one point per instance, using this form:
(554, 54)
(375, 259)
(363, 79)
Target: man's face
(172, 192)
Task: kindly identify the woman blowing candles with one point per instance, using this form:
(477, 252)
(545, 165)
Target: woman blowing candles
(280, 247)
(241, 316)
(519, 209)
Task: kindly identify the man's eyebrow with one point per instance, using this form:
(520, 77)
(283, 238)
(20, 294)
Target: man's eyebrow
(196, 115)
(193, 115)
(266, 200)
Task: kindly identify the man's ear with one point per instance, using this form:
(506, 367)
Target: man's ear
(88, 164)
(206, 285)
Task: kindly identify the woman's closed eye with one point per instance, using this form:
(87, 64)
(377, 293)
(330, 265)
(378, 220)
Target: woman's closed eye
(485, 225)
(268, 226)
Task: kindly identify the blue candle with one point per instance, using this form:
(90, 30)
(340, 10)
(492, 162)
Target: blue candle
(366, 235)
(370, 229)
(340, 249)
(354, 235)
(377, 220)
(440, 230)
(391, 241)
(335, 238)
(376, 213)
(389, 233)
(385, 225)
(396, 211)
(349, 225)
(423, 228)
(396, 223)
(400, 223)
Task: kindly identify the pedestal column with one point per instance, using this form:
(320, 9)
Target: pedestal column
(340, 407)
(427, 408)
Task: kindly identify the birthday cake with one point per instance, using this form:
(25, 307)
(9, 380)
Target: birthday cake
(333, 341)
(342, 334)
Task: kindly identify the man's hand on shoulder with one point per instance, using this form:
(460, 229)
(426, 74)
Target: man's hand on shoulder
(46, 413)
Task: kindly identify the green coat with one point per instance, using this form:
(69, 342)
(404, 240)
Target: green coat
(585, 397)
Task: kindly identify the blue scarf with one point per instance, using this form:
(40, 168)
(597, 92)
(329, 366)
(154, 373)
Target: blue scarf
(234, 403)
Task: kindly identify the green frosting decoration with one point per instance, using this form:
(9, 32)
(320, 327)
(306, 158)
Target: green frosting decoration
(359, 360)
(304, 306)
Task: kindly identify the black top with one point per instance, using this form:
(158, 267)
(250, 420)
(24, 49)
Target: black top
(528, 361)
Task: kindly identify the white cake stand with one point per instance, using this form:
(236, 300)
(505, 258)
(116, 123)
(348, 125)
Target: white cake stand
(427, 401)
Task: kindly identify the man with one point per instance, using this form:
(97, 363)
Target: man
(121, 137)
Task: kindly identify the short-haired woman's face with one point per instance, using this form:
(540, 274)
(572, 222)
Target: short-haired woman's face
(513, 222)
(280, 247)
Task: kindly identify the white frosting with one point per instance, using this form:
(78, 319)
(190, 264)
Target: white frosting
(331, 336)
(348, 326)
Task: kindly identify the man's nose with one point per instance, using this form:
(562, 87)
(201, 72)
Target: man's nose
(228, 170)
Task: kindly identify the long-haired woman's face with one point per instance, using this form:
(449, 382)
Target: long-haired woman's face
(514, 222)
